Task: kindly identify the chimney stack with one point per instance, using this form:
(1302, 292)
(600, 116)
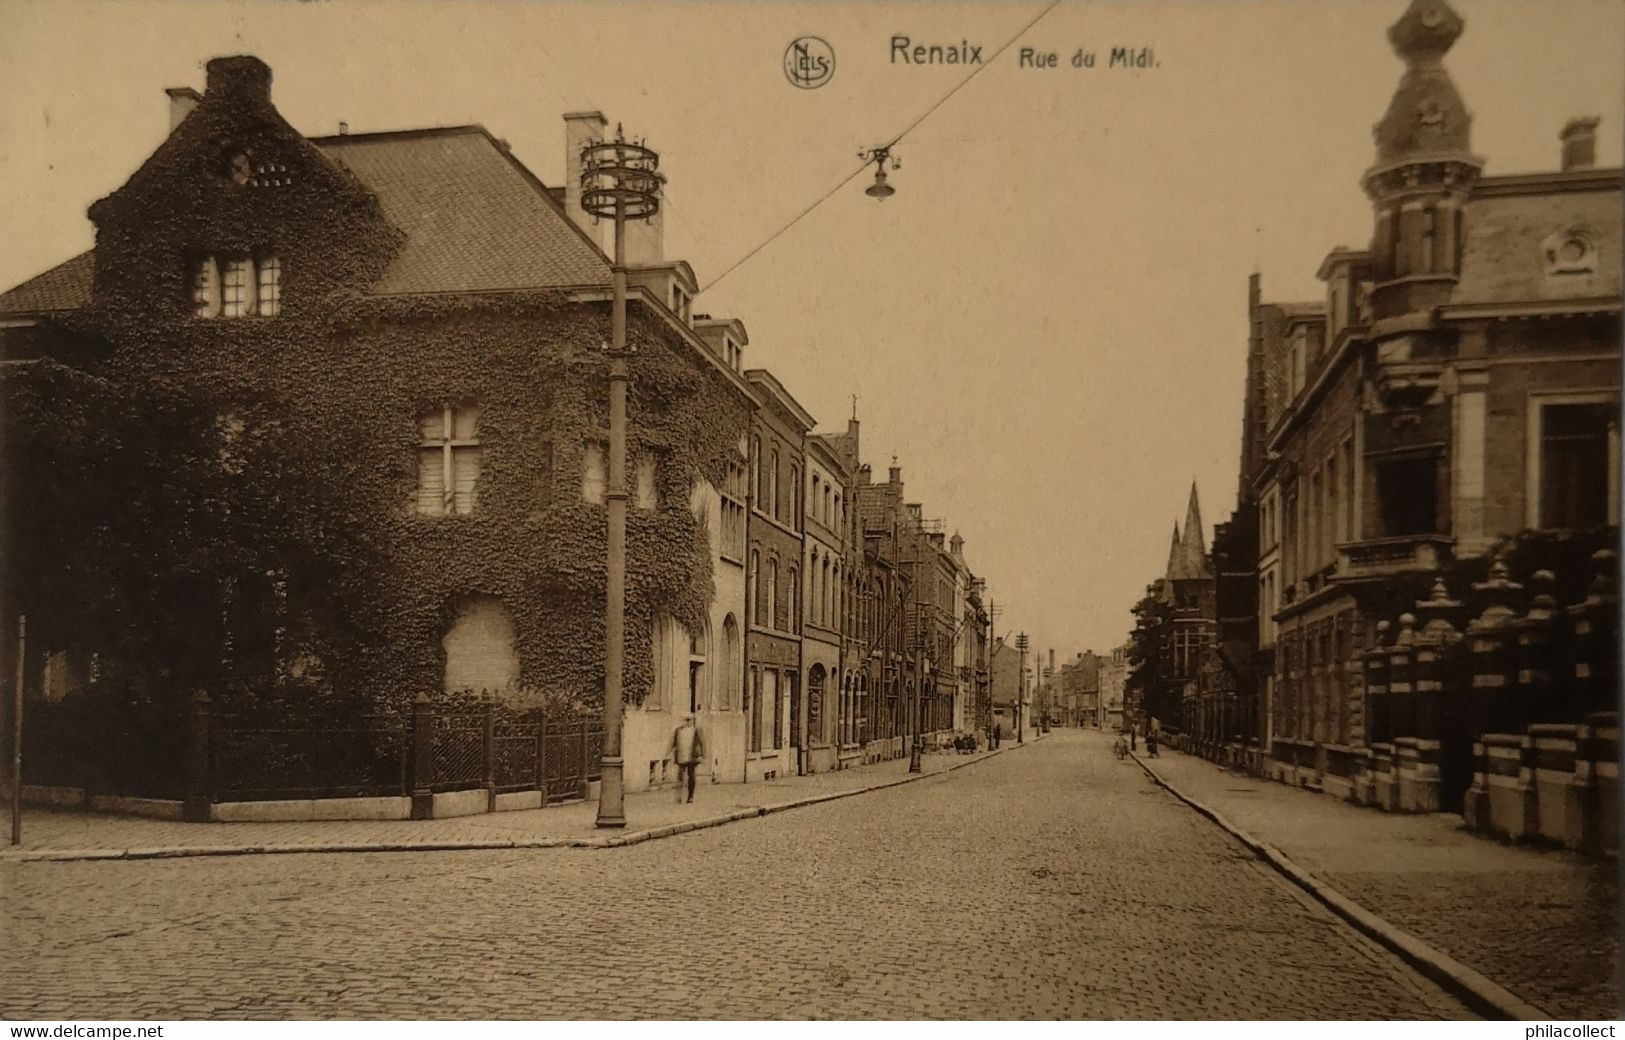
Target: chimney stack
(1579, 139)
(895, 474)
(579, 128)
(242, 74)
(181, 102)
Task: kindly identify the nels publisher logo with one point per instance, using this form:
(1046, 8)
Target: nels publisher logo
(809, 62)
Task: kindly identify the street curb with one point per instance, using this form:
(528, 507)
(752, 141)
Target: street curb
(616, 842)
(1472, 988)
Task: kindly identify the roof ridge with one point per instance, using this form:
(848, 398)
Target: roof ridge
(421, 131)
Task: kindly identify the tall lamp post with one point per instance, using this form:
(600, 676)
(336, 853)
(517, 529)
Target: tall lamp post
(1021, 684)
(621, 181)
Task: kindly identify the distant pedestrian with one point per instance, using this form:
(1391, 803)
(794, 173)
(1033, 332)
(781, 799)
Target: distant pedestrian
(1133, 739)
(688, 748)
(1153, 735)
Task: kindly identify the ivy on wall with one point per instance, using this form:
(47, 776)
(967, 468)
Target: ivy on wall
(234, 496)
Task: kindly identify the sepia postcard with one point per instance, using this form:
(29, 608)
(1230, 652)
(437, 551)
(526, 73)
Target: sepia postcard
(711, 512)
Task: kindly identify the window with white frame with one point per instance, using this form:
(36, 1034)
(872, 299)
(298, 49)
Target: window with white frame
(448, 459)
(236, 286)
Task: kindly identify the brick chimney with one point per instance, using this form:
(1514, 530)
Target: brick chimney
(579, 128)
(181, 102)
(242, 74)
(1579, 139)
(895, 474)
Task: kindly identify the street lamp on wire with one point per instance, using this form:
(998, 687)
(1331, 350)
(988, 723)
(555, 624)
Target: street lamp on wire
(881, 157)
(620, 180)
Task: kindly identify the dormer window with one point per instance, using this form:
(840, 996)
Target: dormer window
(236, 287)
(679, 302)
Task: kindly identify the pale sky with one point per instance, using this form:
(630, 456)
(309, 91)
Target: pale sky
(1047, 322)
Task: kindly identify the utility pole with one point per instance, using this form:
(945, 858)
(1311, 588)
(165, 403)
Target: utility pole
(619, 180)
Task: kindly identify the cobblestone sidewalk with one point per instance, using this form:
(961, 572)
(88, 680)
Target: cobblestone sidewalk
(649, 814)
(1540, 923)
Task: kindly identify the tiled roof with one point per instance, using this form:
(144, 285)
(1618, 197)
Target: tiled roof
(64, 287)
(474, 218)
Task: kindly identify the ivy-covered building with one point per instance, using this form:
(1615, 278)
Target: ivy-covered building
(320, 423)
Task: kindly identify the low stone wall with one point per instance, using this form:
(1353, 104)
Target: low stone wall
(444, 804)
(1555, 784)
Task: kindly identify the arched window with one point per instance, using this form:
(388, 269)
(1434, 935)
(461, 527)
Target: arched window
(795, 497)
(792, 602)
(821, 594)
(730, 662)
(815, 484)
(756, 585)
(776, 509)
(815, 702)
(699, 676)
(835, 598)
(479, 646)
(772, 594)
(756, 471)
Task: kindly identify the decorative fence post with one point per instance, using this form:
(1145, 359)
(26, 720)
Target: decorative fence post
(1376, 782)
(422, 758)
(1401, 691)
(1444, 748)
(1436, 647)
(541, 758)
(586, 784)
(1596, 640)
(199, 790)
(1491, 640)
(488, 749)
(1531, 700)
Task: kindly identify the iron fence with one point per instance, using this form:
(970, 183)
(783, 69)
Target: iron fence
(103, 746)
(457, 752)
(572, 756)
(260, 757)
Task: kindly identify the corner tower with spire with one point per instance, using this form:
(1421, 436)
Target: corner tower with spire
(1424, 170)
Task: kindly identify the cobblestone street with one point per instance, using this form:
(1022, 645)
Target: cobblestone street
(1049, 882)
(1426, 874)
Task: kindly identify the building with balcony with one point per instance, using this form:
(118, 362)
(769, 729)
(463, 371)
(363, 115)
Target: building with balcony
(1457, 385)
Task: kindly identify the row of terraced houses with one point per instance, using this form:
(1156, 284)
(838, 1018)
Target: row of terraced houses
(823, 607)
(1414, 605)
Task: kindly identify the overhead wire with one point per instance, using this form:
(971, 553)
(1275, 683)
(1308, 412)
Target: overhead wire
(886, 147)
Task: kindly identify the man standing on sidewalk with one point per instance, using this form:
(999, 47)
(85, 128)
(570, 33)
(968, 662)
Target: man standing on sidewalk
(687, 750)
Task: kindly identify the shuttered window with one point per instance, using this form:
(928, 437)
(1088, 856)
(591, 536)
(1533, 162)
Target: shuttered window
(448, 460)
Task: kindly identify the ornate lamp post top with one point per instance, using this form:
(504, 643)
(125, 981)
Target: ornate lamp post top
(620, 177)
